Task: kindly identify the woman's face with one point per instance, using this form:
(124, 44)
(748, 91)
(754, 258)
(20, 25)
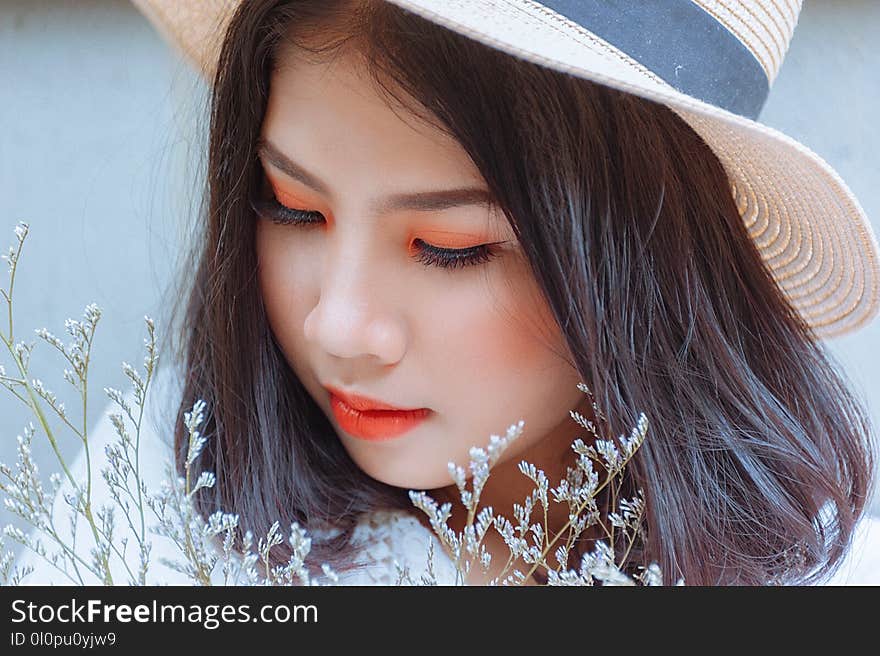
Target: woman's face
(352, 306)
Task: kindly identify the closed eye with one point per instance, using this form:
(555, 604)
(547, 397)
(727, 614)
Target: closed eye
(428, 254)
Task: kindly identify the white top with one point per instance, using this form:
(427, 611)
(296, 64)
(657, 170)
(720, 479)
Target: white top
(402, 540)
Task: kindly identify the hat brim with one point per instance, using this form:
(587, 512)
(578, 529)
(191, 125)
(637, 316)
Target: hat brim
(809, 228)
(807, 225)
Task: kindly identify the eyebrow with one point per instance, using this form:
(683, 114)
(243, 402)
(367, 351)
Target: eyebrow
(422, 201)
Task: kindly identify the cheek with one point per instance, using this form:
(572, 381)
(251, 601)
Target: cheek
(502, 359)
(510, 326)
(284, 285)
(502, 346)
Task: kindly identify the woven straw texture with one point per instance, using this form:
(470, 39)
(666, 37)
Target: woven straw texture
(807, 225)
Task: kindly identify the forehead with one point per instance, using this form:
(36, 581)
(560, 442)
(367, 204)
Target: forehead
(332, 116)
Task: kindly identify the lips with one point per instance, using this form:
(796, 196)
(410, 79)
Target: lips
(373, 420)
(364, 403)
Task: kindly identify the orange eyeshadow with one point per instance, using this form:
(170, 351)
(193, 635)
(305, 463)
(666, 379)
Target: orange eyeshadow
(449, 239)
(439, 238)
(286, 198)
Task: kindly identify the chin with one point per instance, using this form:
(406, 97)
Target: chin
(406, 479)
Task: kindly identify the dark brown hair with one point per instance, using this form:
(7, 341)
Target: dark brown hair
(758, 462)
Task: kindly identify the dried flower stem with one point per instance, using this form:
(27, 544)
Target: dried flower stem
(611, 474)
(13, 257)
(245, 559)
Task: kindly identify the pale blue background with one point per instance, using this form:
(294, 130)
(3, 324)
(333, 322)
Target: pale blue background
(99, 151)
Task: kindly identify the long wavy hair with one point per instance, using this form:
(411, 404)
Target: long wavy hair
(758, 462)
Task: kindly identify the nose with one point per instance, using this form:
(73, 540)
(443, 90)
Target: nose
(357, 315)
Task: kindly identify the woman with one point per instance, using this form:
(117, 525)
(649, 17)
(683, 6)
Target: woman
(414, 239)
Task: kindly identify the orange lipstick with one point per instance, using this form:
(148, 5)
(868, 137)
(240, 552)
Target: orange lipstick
(372, 420)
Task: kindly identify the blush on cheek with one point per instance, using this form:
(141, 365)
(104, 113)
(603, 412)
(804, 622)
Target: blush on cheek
(503, 355)
(522, 330)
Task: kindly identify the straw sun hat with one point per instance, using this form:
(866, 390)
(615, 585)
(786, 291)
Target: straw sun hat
(712, 62)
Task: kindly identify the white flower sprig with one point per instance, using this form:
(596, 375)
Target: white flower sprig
(195, 537)
(215, 547)
(531, 541)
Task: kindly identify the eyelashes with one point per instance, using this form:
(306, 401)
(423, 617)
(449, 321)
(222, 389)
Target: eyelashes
(428, 255)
